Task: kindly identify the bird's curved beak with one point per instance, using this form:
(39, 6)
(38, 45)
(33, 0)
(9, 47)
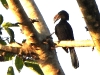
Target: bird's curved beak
(57, 17)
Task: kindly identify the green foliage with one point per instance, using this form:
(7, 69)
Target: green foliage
(2, 42)
(34, 66)
(4, 3)
(19, 63)
(1, 19)
(8, 56)
(6, 26)
(11, 34)
(10, 71)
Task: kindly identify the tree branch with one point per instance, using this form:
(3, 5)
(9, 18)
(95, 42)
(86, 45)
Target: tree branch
(48, 60)
(26, 26)
(25, 49)
(82, 43)
(11, 49)
(91, 15)
(33, 12)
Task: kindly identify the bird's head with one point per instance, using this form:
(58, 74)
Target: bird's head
(61, 15)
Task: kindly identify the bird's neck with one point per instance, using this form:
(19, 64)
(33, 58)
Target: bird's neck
(63, 20)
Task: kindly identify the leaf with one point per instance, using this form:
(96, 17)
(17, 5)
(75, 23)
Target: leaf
(34, 66)
(2, 42)
(0, 32)
(10, 71)
(1, 19)
(7, 24)
(11, 34)
(8, 56)
(4, 3)
(18, 63)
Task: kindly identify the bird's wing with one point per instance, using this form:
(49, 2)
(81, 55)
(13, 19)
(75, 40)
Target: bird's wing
(69, 31)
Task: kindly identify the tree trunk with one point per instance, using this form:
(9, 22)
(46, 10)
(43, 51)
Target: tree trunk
(48, 60)
(91, 15)
(33, 12)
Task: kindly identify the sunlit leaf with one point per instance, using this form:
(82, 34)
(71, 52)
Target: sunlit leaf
(18, 63)
(4, 3)
(7, 24)
(10, 71)
(1, 19)
(34, 66)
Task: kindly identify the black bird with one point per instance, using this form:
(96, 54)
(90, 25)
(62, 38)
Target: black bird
(64, 31)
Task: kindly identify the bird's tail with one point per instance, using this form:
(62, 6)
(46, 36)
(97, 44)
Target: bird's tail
(74, 58)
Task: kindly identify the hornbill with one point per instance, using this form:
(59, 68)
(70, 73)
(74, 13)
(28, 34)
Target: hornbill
(64, 31)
